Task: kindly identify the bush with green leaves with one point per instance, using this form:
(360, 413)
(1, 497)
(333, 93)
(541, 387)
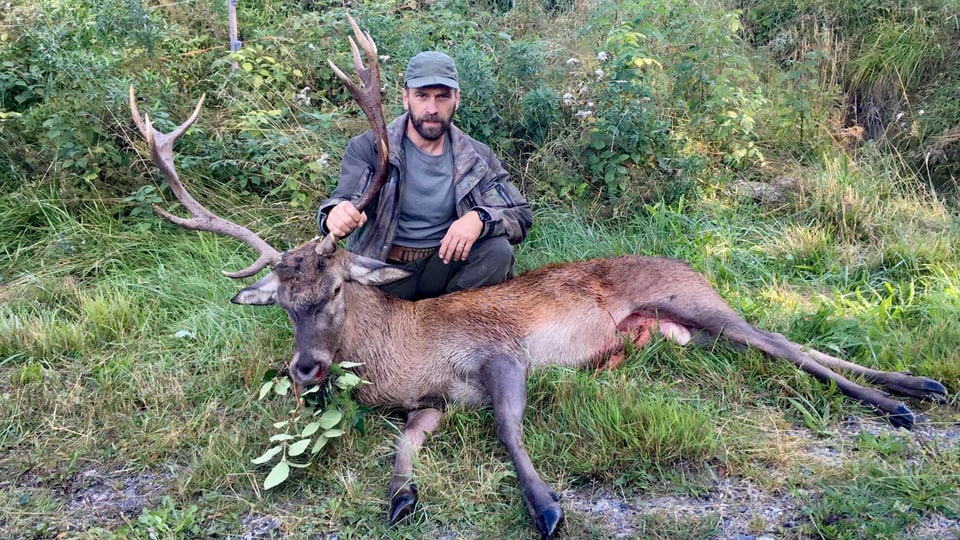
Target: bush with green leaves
(322, 413)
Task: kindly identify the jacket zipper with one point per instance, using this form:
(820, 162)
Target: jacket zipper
(503, 195)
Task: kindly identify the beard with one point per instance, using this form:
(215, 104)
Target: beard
(431, 133)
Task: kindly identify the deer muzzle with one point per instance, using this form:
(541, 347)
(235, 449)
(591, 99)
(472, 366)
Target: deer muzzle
(307, 370)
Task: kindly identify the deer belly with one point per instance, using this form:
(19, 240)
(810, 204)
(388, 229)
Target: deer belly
(571, 343)
(600, 344)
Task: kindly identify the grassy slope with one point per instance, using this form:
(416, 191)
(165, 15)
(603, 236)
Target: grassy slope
(120, 357)
(95, 378)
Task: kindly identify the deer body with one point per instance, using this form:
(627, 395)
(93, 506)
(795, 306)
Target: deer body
(477, 347)
(573, 315)
(578, 314)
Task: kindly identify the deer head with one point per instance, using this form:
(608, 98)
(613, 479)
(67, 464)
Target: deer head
(308, 280)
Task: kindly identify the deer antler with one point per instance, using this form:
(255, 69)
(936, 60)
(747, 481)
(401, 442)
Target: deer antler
(369, 100)
(368, 97)
(161, 152)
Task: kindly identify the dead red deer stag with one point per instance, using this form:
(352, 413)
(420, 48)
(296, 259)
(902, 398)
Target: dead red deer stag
(476, 347)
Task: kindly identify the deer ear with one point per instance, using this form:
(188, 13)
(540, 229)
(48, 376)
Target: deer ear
(373, 272)
(261, 293)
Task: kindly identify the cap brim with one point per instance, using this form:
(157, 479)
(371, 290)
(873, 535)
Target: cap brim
(421, 82)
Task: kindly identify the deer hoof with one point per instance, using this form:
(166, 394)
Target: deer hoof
(930, 390)
(403, 503)
(548, 520)
(902, 416)
(919, 388)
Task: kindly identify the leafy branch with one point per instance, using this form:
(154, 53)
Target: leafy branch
(305, 427)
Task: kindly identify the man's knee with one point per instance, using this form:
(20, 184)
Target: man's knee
(490, 262)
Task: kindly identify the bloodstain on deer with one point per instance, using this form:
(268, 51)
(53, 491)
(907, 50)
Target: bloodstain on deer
(476, 347)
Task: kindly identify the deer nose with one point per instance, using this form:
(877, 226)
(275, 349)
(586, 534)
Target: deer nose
(305, 371)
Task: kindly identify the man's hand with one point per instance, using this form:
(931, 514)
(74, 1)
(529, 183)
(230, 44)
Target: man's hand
(344, 218)
(460, 237)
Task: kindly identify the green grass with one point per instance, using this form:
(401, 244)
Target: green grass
(129, 382)
(120, 354)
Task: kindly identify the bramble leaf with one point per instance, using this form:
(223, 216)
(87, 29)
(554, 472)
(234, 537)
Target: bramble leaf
(347, 381)
(265, 389)
(321, 442)
(349, 365)
(282, 386)
(310, 429)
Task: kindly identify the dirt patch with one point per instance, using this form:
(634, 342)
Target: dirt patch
(739, 508)
(744, 511)
(111, 494)
(256, 526)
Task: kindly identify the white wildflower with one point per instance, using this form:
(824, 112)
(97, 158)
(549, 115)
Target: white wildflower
(602, 56)
(301, 98)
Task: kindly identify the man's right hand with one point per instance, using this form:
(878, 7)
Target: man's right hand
(344, 218)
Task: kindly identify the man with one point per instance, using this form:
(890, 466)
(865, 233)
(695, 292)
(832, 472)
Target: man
(447, 212)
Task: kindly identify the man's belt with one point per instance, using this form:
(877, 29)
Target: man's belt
(404, 254)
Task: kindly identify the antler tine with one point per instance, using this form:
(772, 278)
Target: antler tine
(135, 112)
(369, 100)
(161, 153)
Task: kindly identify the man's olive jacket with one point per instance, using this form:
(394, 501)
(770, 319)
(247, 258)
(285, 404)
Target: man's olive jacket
(480, 183)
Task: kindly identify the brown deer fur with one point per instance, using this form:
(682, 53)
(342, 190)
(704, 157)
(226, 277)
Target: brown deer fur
(476, 347)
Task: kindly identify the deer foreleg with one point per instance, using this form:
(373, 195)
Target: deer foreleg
(401, 491)
(901, 384)
(505, 381)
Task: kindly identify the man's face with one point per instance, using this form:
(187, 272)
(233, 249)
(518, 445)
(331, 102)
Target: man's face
(431, 109)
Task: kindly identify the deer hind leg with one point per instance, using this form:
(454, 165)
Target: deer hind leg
(401, 491)
(778, 346)
(505, 380)
(901, 384)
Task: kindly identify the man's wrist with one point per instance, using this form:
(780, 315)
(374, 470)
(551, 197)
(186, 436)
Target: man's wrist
(485, 218)
(483, 215)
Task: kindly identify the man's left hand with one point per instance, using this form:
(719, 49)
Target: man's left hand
(460, 237)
